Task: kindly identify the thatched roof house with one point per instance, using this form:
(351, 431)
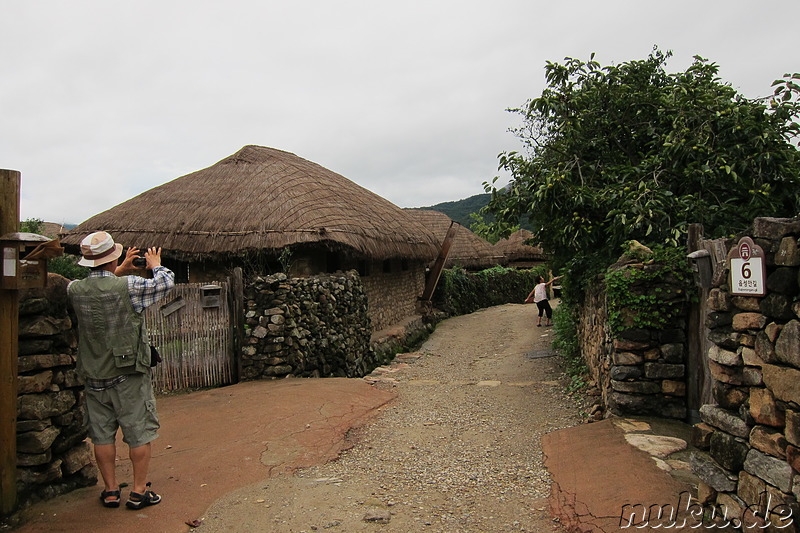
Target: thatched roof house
(518, 250)
(249, 207)
(467, 250)
(262, 198)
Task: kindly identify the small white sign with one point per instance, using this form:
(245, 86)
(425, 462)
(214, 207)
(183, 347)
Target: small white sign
(747, 277)
(747, 269)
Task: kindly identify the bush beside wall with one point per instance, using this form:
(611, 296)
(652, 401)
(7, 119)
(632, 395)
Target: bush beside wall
(459, 292)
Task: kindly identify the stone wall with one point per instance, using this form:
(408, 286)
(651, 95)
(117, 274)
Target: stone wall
(639, 369)
(306, 327)
(393, 292)
(53, 456)
(751, 436)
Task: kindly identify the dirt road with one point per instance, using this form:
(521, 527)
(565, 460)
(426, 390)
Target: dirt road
(458, 450)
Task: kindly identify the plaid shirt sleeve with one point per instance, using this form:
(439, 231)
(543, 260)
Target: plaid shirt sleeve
(145, 292)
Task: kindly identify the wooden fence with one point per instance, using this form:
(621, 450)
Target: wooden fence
(192, 331)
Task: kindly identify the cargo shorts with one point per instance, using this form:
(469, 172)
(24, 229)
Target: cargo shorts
(129, 405)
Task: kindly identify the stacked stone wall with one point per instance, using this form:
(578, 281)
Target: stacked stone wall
(751, 435)
(306, 327)
(639, 370)
(53, 456)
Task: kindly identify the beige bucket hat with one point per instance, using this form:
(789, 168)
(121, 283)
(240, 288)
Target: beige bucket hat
(98, 248)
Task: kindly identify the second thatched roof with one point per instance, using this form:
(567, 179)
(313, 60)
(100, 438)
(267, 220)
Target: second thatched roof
(262, 198)
(467, 250)
(516, 247)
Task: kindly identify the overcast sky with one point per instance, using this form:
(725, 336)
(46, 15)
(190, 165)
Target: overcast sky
(101, 100)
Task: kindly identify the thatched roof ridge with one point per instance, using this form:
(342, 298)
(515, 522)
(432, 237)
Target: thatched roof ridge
(515, 247)
(467, 250)
(262, 198)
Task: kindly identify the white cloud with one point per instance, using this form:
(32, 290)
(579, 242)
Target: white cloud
(101, 100)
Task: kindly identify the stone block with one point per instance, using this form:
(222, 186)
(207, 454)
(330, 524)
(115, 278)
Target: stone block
(733, 506)
(775, 229)
(731, 375)
(29, 363)
(37, 441)
(777, 306)
(621, 373)
(793, 426)
(745, 303)
(673, 388)
(36, 383)
(750, 489)
(34, 459)
(747, 339)
(724, 357)
(711, 473)
(724, 420)
(717, 319)
(764, 409)
(773, 330)
(622, 404)
(783, 281)
(774, 471)
(701, 435)
(724, 338)
(705, 493)
(787, 347)
(626, 358)
(38, 476)
(636, 387)
(728, 451)
(663, 371)
(76, 458)
(719, 300)
(623, 345)
(793, 458)
(752, 377)
(672, 353)
(749, 357)
(768, 440)
(40, 406)
(748, 321)
(728, 396)
(788, 253)
(784, 382)
(765, 348)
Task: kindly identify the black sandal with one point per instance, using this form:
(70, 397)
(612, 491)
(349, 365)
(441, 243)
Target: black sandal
(110, 494)
(139, 501)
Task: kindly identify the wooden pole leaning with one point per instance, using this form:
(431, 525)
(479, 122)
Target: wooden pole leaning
(9, 350)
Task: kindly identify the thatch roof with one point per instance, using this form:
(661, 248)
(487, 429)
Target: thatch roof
(262, 198)
(515, 247)
(467, 250)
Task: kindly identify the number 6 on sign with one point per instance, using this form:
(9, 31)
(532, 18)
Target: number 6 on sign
(747, 269)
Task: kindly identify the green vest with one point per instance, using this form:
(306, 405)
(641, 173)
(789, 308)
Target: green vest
(111, 338)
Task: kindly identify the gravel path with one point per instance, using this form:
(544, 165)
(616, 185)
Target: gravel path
(457, 451)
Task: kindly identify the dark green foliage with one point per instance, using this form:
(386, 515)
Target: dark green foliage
(565, 328)
(67, 266)
(629, 151)
(648, 295)
(460, 210)
(460, 293)
(32, 225)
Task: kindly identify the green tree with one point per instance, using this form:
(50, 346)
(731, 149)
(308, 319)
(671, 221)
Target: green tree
(32, 225)
(486, 229)
(629, 151)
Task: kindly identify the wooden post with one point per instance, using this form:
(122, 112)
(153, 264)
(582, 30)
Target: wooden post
(9, 348)
(438, 266)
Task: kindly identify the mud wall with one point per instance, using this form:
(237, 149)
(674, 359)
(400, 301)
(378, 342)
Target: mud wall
(751, 435)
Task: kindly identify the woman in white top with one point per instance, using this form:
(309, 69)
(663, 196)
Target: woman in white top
(539, 296)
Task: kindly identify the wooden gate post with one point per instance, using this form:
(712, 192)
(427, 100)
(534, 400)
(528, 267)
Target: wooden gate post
(9, 349)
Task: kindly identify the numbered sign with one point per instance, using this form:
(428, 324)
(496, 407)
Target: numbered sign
(747, 269)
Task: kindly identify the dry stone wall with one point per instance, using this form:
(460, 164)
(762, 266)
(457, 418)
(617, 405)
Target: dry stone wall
(306, 327)
(639, 369)
(53, 456)
(751, 436)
